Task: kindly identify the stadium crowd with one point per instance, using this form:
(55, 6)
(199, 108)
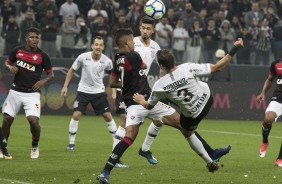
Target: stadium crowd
(192, 29)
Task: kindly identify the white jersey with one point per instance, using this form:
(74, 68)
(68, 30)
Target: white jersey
(182, 87)
(147, 53)
(92, 73)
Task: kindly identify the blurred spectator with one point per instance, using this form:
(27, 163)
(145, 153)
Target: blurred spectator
(253, 30)
(242, 9)
(81, 39)
(69, 8)
(69, 30)
(227, 36)
(225, 7)
(211, 37)
(199, 5)
(212, 6)
(172, 17)
(25, 6)
(264, 4)
(118, 13)
(163, 33)
(236, 24)
(49, 29)
(176, 5)
(195, 42)
(271, 16)
(278, 4)
(243, 57)
(83, 6)
(133, 16)
(100, 28)
(204, 15)
(263, 46)
(121, 24)
(7, 9)
(277, 36)
(190, 15)
(253, 14)
(11, 33)
(26, 23)
(96, 10)
(179, 37)
(43, 7)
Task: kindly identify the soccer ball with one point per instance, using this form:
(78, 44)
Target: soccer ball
(154, 9)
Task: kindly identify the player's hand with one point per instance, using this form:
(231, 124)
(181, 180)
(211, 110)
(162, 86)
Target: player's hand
(13, 69)
(38, 85)
(239, 43)
(138, 98)
(64, 91)
(260, 98)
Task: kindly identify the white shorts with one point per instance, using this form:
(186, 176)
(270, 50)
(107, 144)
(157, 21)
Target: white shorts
(15, 100)
(135, 114)
(275, 107)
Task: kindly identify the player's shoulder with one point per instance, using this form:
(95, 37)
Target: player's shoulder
(105, 58)
(155, 45)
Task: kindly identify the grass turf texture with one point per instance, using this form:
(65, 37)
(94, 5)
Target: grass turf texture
(178, 164)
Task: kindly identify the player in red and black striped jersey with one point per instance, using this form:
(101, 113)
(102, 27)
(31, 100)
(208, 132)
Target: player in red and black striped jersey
(27, 63)
(274, 108)
(131, 73)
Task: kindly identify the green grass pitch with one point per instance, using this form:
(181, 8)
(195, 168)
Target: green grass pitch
(178, 164)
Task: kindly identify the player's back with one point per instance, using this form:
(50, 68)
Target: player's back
(128, 66)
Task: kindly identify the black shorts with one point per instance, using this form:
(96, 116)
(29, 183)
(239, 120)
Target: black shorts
(120, 105)
(98, 101)
(189, 123)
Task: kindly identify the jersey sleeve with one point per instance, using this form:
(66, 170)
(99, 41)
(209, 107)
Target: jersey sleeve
(46, 64)
(77, 63)
(109, 66)
(198, 69)
(12, 57)
(155, 95)
(272, 71)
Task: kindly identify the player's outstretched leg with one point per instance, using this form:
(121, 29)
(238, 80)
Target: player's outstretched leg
(4, 152)
(73, 126)
(278, 161)
(265, 130)
(220, 152)
(144, 151)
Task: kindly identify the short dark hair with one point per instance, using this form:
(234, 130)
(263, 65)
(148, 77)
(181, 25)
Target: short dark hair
(165, 58)
(147, 20)
(121, 33)
(98, 38)
(32, 30)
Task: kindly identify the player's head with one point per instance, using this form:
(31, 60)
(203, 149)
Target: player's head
(124, 39)
(32, 37)
(146, 27)
(97, 45)
(165, 59)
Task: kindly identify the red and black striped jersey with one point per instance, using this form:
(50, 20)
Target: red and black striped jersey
(30, 67)
(276, 71)
(134, 80)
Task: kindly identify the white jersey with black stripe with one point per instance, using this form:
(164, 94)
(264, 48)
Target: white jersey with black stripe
(184, 89)
(92, 72)
(147, 53)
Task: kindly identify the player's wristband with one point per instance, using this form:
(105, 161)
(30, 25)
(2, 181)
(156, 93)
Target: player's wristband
(233, 51)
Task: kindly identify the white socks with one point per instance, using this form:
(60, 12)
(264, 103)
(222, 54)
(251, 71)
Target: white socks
(72, 130)
(120, 133)
(152, 133)
(198, 147)
(112, 127)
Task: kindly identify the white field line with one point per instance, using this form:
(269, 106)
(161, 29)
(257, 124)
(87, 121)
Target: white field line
(13, 181)
(237, 133)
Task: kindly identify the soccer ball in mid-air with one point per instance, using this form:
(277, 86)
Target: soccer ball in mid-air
(154, 9)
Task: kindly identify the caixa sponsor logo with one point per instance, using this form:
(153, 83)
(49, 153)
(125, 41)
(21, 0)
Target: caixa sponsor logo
(279, 81)
(25, 65)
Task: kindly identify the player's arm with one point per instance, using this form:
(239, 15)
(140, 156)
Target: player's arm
(267, 85)
(13, 69)
(115, 82)
(226, 59)
(141, 100)
(69, 75)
